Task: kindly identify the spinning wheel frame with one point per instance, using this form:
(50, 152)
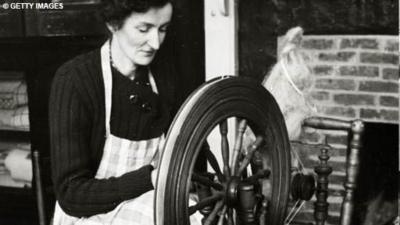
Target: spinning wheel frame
(211, 104)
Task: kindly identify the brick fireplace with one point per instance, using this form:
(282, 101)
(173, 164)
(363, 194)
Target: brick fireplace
(356, 77)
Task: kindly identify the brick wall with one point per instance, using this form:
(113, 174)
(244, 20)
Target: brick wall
(356, 77)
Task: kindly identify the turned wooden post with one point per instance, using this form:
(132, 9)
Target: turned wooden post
(352, 171)
(323, 170)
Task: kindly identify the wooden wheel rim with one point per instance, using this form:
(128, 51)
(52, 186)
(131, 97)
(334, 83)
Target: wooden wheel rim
(212, 102)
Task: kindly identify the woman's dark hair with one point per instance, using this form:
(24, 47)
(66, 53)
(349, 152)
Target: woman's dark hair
(115, 12)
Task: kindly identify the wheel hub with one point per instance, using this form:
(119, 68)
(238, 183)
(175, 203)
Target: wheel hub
(241, 195)
(232, 191)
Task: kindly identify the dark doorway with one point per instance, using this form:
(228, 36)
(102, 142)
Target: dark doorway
(376, 196)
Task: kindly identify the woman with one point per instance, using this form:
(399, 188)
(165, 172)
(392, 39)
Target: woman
(109, 109)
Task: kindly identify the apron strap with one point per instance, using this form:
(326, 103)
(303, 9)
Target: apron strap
(107, 79)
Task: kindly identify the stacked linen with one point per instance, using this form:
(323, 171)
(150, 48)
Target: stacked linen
(12, 94)
(15, 161)
(16, 167)
(2, 166)
(14, 112)
(15, 119)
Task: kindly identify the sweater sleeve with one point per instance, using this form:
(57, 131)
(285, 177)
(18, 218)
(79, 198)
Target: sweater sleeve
(77, 190)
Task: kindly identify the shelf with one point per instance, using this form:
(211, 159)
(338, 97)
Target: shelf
(15, 135)
(75, 19)
(12, 129)
(50, 42)
(72, 20)
(11, 75)
(11, 23)
(18, 199)
(6, 181)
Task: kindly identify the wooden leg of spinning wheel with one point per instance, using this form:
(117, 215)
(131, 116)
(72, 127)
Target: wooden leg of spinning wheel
(247, 201)
(323, 171)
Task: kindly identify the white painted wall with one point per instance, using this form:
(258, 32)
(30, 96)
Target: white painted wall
(221, 52)
(220, 38)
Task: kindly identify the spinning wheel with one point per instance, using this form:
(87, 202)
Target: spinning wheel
(234, 184)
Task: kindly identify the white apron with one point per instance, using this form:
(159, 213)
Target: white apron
(119, 157)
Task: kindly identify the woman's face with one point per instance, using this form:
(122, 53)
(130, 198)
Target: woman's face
(141, 34)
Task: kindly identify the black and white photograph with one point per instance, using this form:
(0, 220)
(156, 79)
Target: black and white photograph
(199, 112)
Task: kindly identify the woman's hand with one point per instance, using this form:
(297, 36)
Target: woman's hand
(154, 177)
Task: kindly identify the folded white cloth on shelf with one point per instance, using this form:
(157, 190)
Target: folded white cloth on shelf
(16, 118)
(13, 96)
(19, 163)
(10, 85)
(6, 180)
(2, 158)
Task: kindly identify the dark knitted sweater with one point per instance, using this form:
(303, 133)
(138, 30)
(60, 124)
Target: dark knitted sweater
(77, 131)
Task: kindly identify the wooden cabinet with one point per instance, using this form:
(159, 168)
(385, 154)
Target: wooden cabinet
(16, 192)
(35, 43)
(72, 20)
(11, 24)
(14, 197)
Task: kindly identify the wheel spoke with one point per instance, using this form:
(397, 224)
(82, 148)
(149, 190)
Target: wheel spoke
(205, 202)
(238, 145)
(206, 181)
(210, 219)
(214, 163)
(261, 174)
(264, 209)
(223, 129)
(257, 163)
(222, 216)
(257, 143)
(230, 216)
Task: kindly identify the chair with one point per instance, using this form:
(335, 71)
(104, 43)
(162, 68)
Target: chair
(355, 130)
